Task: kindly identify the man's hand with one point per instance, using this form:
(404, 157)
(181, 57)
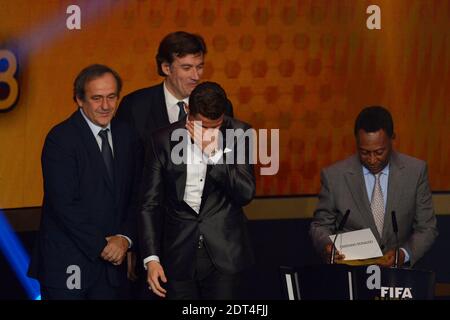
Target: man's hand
(389, 258)
(115, 250)
(337, 256)
(155, 272)
(206, 139)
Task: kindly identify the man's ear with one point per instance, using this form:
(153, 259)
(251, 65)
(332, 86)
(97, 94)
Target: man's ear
(165, 67)
(79, 102)
(393, 136)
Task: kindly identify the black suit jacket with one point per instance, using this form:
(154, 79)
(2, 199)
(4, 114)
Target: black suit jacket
(81, 205)
(146, 111)
(221, 220)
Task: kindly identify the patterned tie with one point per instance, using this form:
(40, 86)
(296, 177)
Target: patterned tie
(107, 153)
(377, 204)
(182, 113)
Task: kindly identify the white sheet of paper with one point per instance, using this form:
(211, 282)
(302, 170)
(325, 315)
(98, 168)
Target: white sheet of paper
(359, 244)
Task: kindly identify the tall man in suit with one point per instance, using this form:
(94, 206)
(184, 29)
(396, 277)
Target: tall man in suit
(88, 213)
(373, 183)
(180, 60)
(202, 244)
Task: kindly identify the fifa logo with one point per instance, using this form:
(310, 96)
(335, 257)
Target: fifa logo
(386, 293)
(395, 293)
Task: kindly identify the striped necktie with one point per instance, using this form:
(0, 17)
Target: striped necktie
(377, 204)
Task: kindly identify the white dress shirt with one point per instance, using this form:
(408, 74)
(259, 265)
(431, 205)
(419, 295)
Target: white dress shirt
(173, 110)
(96, 130)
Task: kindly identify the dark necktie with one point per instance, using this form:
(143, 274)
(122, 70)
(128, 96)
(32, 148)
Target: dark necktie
(182, 113)
(107, 153)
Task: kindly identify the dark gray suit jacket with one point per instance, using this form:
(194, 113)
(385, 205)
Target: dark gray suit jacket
(408, 194)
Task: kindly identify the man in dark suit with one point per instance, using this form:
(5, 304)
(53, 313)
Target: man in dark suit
(88, 212)
(201, 245)
(180, 60)
(373, 183)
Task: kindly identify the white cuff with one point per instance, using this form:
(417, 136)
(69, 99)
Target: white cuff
(150, 258)
(406, 255)
(130, 243)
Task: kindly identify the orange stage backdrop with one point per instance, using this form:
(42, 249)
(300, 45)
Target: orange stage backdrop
(305, 67)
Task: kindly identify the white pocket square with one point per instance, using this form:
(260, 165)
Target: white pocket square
(227, 150)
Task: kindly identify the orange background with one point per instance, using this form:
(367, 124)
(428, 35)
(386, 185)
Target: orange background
(305, 67)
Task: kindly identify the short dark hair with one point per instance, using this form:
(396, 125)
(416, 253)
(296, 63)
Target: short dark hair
(209, 99)
(178, 44)
(89, 73)
(374, 118)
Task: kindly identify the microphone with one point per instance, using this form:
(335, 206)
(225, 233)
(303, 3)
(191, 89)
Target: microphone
(340, 227)
(395, 228)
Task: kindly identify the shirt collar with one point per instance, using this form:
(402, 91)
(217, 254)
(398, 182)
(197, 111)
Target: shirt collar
(171, 100)
(385, 170)
(94, 128)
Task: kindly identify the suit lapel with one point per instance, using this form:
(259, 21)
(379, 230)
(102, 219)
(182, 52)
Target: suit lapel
(230, 144)
(155, 115)
(355, 181)
(394, 192)
(225, 144)
(206, 188)
(119, 152)
(92, 147)
(160, 112)
(179, 169)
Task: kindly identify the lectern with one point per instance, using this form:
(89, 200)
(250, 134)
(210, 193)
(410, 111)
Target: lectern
(342, 282)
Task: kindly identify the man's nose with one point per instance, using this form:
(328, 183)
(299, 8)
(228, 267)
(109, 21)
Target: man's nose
(195, 74)
(107, 104)
(372, 159)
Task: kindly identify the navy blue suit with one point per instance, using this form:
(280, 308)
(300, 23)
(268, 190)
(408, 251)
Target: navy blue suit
(82, 205)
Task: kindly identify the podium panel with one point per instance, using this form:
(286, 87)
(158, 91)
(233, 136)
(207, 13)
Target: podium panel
(341, 282)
